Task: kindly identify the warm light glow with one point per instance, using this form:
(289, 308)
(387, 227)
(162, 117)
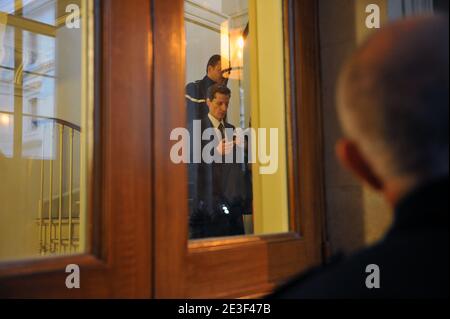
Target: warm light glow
(241, 42)
(232, 49)
(225, 44)
(4, 119)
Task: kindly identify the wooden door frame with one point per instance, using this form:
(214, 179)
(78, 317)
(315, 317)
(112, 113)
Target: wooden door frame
(243, 266)
(138, 204)
(120, 192)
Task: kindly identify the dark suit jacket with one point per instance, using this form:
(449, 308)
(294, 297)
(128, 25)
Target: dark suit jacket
(196, 109)
(412, 258)
(219, 185)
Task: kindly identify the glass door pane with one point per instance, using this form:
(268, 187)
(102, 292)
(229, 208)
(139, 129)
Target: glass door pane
(45, 142)
(236, 123)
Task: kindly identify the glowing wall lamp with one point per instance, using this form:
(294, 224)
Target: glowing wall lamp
(232, 49)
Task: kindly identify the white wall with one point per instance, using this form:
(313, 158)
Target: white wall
(201, 44)
(232, 7)
(215, 5)
(68, 74)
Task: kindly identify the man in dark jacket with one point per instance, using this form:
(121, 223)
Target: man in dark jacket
(222, 192)
(393, 104)
(197, 109)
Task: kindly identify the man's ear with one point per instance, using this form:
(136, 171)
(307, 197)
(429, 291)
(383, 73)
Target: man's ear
(351, 158)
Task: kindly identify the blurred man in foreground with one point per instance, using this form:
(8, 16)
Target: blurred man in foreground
(393, 104)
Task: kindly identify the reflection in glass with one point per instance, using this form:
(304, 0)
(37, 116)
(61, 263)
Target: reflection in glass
(43, 136)
(235, 77)
(6, 135)
(6, 66)
(220, 194)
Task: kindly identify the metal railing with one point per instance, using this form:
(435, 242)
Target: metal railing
(59, 234)
(59, 230)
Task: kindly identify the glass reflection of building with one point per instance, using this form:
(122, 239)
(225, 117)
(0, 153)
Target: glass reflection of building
(40, 126)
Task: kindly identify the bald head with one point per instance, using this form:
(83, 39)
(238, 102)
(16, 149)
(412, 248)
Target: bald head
(393, 98)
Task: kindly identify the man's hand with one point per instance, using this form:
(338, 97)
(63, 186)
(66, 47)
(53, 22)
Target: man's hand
(239, 139)
(224, 147)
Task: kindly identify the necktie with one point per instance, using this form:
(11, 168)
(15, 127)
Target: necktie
(222, 131)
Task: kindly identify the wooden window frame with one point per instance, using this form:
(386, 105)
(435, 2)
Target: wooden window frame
(118, 262)
(138, 199)
(248, 266)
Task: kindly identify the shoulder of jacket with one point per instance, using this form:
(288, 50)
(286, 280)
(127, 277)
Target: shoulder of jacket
(307, 275)
(193, 92)
(228, 125)
(192, 85)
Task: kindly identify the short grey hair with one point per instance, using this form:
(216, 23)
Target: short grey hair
(393, 98)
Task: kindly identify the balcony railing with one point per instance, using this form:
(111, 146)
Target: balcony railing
(59, 233)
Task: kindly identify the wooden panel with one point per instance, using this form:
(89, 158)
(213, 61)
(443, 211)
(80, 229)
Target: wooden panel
(307, 122)
(127, 61)
(122, 190)
(243, 266)
(170, 180)
(134, 155)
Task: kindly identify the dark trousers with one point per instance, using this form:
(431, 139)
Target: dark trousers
(224, 225)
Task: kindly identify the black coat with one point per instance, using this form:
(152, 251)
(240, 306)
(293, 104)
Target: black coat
(196, 99)
(196, 109)
(412, 257)
(219, 186)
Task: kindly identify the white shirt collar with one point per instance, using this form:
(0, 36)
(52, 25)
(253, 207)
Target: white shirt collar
(215, 122)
